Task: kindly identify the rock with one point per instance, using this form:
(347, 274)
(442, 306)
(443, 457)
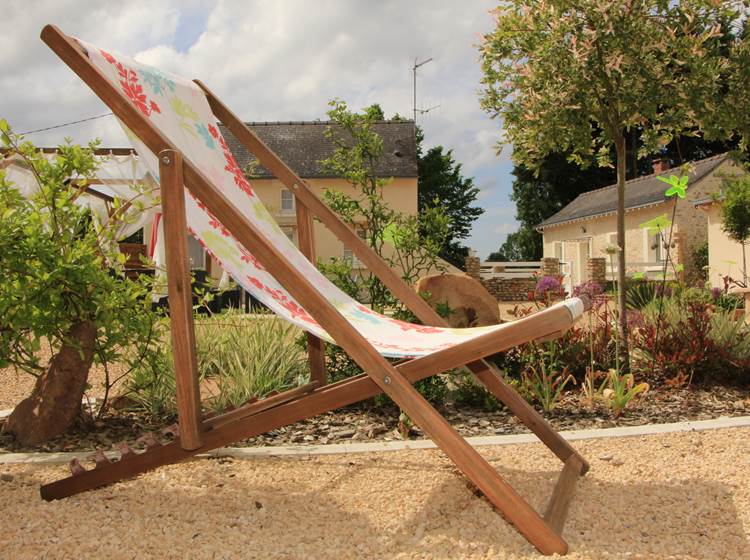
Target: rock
(341, 434)
(470, 304)
(606, 458)
(6, 477)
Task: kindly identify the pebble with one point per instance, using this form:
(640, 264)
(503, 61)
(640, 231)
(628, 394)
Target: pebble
(5, 477)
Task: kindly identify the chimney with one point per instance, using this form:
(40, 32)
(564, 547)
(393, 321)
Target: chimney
(660, 165)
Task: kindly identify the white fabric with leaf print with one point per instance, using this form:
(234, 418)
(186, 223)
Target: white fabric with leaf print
(179, 109)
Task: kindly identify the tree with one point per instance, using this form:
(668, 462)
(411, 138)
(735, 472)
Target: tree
(60, 287)
(441, 183)
(410, 243)
(735, 215)
(582, 77)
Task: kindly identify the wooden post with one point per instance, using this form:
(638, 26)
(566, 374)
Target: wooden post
(180, 299)
(315, 347)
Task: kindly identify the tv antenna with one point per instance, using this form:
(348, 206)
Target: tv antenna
(414, 71)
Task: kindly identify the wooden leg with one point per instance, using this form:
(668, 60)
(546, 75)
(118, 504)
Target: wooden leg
(180, 299)
(557, 510)
(472, 464)
(491, 378)
(315, 347)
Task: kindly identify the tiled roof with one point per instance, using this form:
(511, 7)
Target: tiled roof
(642, 191)
(302, 144)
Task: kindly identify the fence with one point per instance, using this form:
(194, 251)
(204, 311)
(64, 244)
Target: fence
(509, 270)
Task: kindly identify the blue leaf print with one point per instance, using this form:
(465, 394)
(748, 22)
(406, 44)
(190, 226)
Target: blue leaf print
(207, 138)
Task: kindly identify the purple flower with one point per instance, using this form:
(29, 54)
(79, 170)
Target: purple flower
(547, 284)
(716, 293)
(589, 288)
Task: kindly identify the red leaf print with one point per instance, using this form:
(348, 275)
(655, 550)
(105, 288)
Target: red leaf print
(248, 257)
(130, 86)
(234, 169)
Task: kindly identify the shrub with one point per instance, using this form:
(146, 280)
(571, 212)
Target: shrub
(244, 357)
(686, 337)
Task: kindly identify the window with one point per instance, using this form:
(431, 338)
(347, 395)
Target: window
(287, 202)
(290, 232)
(558, 250)
(656, 248)
(196, 254)
(348, 254)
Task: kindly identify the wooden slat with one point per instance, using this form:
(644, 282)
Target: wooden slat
(258, 406)
(315, 347)
(484, 372)
(562, 495)
(180, 298)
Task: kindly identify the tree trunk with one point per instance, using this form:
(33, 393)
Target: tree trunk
(623, 318)
(55, 401)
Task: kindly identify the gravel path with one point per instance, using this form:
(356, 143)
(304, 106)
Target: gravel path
(681, 495)
(17, 385)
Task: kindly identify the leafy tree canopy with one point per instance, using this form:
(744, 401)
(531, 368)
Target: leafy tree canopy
(441, 182)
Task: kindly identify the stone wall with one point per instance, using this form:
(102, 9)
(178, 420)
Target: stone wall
(511, 289)
(597, 270)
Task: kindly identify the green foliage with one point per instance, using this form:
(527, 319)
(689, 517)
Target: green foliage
(699, 260)
(551, 70)
(59, 265)
(545, 384)
(522, 245)
(621, 390)
(677, 185)
(441, 183)
(406, 242)
(242, 357)
(735, 214)
(580, 78)
(469, 393)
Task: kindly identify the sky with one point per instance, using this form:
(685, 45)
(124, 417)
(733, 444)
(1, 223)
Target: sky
(275, 60)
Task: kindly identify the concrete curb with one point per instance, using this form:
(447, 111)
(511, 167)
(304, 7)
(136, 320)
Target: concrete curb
(311, 450)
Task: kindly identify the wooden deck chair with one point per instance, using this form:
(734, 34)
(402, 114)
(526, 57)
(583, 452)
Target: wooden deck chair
(173, 125)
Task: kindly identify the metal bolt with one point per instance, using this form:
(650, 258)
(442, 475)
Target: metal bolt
(165, 160)
(295, 186)
(387, 380)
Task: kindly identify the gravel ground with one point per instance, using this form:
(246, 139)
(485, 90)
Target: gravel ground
(17, 385)
(682, 495)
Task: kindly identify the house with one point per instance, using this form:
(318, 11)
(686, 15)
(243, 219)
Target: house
(724, 254)
(302, 145)
(588, 225)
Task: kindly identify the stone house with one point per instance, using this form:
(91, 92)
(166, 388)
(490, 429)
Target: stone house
(587, 226)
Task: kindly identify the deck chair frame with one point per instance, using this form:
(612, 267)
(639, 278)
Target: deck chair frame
(197, 434)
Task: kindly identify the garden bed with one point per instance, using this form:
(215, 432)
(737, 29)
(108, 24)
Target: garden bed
(362, 424)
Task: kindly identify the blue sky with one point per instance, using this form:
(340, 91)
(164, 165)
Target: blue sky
(273, 60)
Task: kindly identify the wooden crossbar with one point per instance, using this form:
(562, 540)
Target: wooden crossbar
(380, 374)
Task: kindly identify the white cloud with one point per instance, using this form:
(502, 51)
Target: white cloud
(268, 60)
